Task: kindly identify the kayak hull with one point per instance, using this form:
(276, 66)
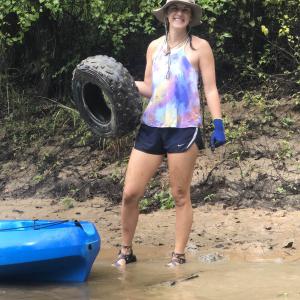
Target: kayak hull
(48, 251)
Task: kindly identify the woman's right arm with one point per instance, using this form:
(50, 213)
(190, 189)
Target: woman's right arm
(145, 87)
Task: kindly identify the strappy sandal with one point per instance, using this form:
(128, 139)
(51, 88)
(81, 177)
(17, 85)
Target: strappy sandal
(177, 259)
(129, 258)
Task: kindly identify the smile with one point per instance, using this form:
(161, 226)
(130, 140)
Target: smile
(178, 19)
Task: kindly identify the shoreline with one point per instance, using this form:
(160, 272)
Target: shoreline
(248, 233)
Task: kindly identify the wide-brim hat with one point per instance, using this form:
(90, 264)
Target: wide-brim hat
(196, 11)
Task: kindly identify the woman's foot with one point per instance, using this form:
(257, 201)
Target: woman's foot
(177, 259)
(125, 257)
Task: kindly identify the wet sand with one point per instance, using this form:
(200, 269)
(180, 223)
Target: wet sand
(253, 231)
(257, 251)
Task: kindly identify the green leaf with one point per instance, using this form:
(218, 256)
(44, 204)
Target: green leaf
(264, 30)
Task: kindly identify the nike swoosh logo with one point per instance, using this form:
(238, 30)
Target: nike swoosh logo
(180, 145)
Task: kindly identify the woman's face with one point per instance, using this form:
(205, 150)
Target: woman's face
(179, 15)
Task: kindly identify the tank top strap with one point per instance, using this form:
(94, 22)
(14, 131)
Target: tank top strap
(159, 49)
(181, 49)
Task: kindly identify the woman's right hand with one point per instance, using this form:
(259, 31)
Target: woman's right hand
(144, 88)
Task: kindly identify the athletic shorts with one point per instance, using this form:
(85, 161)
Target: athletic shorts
(154, 140)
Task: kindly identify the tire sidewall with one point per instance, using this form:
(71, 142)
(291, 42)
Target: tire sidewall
(79, 82)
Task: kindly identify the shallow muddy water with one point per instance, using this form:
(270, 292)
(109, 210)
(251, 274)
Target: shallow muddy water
(232, 278)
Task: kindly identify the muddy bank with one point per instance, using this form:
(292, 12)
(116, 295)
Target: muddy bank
(253, 232)
(258, 167)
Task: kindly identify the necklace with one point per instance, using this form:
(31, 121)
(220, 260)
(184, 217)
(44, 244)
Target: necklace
(180, 43)
(168, 52)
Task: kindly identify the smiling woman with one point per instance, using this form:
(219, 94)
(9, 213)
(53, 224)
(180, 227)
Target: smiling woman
(171, 121)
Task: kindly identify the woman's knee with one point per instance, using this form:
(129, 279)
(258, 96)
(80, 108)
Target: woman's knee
(131, 196)
(181, 197)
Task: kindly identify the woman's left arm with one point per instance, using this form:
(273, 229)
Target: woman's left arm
(207, 69)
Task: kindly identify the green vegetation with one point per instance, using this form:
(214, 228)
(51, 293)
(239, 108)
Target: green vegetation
(257, 50)
(252, 39)
(284, 151)
(67, 202)
(162, 200)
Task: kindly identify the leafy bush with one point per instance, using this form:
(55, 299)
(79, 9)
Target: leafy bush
(45, 39)
(255, 38)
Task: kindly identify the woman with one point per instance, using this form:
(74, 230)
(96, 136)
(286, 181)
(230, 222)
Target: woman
(171, 120)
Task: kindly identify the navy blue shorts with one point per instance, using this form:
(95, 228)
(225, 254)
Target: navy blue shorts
(154, 140)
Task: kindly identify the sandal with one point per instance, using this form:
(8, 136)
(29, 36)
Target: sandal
(177, 259)
(128, 258)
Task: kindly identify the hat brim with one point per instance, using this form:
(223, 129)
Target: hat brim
(196, 10)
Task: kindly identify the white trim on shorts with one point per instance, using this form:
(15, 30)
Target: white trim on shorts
(193, 138)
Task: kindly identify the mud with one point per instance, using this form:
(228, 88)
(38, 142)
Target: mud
(260, 169)
(257, 231)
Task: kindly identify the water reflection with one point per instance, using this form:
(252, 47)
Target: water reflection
(45, 292)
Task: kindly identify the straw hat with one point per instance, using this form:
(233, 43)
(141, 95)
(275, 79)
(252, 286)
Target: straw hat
(196, 11)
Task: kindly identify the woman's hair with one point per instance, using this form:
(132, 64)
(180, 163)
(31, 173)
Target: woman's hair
(190, 37)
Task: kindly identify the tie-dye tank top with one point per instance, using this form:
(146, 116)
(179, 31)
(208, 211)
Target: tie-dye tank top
(175, 100)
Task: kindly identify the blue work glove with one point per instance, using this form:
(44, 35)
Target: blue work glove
(218, 136)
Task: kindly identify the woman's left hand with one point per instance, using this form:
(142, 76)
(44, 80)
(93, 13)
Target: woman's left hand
(218, 136)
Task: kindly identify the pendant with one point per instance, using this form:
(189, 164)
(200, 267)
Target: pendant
(167, 52)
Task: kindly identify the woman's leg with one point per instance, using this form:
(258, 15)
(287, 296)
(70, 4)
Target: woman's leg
(181, 167)
(141, 168)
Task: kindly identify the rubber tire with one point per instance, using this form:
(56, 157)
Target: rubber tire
(106, 96)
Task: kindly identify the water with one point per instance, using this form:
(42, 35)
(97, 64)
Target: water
(231, 279)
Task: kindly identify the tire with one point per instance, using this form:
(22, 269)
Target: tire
(106, 96)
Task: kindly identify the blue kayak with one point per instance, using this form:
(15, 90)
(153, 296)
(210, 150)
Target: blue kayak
(45, 250)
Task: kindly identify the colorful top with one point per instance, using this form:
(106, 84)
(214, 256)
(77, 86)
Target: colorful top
(175, 100)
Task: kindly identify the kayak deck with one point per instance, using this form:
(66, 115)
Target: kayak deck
(47, 250)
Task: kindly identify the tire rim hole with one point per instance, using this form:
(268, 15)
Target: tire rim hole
(95, 102)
